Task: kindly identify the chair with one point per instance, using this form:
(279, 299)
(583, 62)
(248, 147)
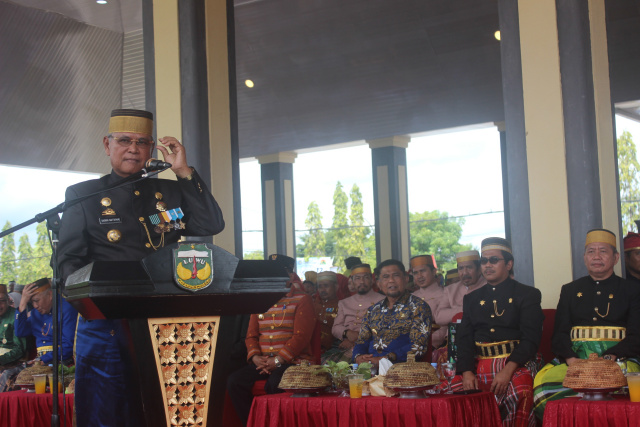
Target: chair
(229, 416)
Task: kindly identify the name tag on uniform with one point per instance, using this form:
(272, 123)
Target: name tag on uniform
(115, 220)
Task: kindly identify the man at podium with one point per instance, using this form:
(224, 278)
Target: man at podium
(126, 224)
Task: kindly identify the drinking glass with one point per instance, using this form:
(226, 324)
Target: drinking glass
(633, 379)
(50, 377)
(449, 371)
(40, 383)
(355, 385)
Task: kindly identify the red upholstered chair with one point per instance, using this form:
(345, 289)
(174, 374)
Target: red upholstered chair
(547, 332)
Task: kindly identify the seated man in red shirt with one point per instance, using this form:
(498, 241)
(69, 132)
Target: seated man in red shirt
(275, 340)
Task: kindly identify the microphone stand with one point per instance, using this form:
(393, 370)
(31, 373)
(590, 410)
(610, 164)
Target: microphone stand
(53, 225)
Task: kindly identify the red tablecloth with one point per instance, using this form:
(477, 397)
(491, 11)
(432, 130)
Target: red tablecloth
(21, 409)
(580, 413)
(282, 410)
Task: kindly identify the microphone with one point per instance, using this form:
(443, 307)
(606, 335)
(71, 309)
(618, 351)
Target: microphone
(155, 164)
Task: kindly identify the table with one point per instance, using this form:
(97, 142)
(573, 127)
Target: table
(572, 411)
(282, 410)
(19, 408)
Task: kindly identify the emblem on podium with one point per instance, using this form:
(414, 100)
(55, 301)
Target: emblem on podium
(193, 266)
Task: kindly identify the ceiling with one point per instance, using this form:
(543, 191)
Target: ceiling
(330, 71)
(116, 15)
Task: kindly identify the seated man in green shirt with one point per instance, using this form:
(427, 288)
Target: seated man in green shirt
(12, 348)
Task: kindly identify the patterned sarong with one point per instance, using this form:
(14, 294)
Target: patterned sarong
(336, 354)
(547, 385)
(517, 403)
(8, 375)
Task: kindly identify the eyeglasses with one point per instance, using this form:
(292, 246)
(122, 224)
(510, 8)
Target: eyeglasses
(125, 141)
(493, 260)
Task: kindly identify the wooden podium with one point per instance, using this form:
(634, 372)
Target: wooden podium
(174, 330)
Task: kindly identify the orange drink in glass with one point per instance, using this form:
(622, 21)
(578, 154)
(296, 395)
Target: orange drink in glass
(633, 379)
(40, 382)
(355, 385)
(50, 376)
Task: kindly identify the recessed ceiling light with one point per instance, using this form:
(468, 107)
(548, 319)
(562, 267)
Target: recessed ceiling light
(497, 35)
(249, 83)
(101, 1)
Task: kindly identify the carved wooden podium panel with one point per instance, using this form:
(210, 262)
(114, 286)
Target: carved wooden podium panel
(175, 354)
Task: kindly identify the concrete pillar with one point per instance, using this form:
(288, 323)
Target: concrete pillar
(390, 198)
(560, 144)
(505, 180)
(190, 87)
(278, 218)
(513, 144)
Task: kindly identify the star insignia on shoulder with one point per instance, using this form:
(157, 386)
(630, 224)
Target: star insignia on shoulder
(482, 302)
(579, 294)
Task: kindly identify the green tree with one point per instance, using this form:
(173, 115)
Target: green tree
(259, 255)
(26, 264)
(314, 241)
(340, 231)
(433, 232)
(8, 268)
(358, 232)
(369, 256)
(628, 172)
(42, 253)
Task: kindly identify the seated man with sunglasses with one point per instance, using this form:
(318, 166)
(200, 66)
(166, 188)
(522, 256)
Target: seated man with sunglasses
(598, 313)
(499, 336)
(126, 223)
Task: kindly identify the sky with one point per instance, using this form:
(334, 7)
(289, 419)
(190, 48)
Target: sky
(438, 167)
(441, 169)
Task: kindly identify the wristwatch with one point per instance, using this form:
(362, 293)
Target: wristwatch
(344, 334)
(609, 357)
(277, 362)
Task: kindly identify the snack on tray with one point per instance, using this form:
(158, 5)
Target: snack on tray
(594, 372)
(305, 377)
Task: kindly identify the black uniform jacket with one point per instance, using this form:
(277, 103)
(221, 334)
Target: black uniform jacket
(630, 277)
(85, 226)
(515, 315)
(618, 304)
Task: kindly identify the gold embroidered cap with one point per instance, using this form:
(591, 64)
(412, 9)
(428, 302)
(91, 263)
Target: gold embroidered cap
(498, 243)
(311, 276)
(423, 260)
(42, 285)
(467, 256)
(361, 268)
(452, 274)
(600, 235)
(132, 121)
(631, 241)
(327, 275)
